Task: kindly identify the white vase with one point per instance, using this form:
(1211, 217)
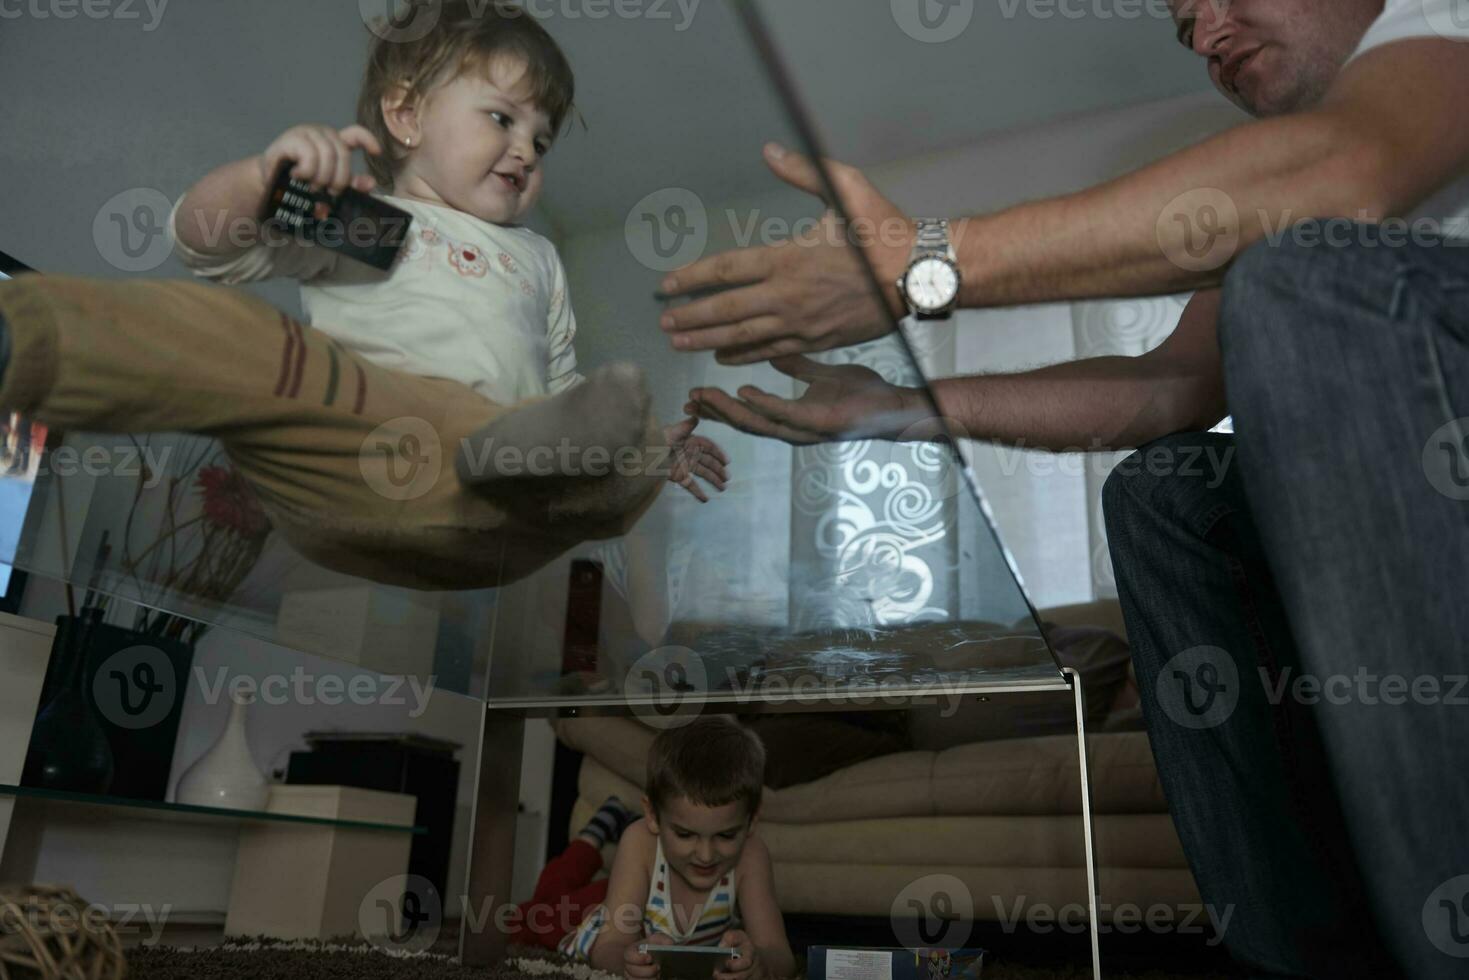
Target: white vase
(226, 776)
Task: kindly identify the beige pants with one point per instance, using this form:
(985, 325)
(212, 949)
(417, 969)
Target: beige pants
(354, 463)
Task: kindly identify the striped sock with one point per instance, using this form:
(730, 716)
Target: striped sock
(610, 820)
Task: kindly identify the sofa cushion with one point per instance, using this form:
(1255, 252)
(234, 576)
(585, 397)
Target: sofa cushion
(1015, 776)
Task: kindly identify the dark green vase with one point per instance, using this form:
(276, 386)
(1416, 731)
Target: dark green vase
(69, 748)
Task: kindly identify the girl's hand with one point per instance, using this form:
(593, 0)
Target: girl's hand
(747, 966)
(694, 456)
(642, 966)
(323, 156)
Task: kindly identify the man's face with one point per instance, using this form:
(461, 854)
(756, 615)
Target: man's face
(1271, 57)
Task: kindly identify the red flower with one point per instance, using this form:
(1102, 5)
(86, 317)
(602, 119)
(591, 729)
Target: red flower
(229, 502)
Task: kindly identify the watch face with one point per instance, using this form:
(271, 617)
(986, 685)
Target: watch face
(932, 284)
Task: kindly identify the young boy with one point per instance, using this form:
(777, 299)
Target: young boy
(688, 871)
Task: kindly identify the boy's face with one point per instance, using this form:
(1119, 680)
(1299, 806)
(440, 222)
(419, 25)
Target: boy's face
(481, 145)
(701, 843)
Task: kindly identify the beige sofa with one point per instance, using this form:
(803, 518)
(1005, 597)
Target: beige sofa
(1002, 816)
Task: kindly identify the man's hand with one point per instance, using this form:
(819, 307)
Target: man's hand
(809, 293)
(694, 456)
(842, 402)
(747, 966)
(642, 966)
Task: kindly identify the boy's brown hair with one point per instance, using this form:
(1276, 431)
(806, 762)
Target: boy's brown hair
(461, 36)
(710, 762)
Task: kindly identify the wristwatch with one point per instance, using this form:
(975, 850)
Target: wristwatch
(930, 285)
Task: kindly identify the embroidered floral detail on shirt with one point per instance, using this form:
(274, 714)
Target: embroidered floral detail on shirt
(527, 288)
(469, 261)
(507, 263)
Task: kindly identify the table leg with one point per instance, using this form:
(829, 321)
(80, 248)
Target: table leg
(492, 838)
(1086, 821)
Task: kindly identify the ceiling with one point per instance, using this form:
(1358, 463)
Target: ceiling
(678, 97)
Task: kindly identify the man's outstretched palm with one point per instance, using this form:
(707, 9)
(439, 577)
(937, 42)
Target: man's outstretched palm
(841, 402)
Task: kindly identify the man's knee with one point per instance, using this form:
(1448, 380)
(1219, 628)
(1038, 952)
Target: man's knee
(1166, 481)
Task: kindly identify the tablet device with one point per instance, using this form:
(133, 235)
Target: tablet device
(688, 962)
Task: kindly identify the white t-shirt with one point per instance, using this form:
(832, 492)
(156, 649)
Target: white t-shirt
(478, 303)
(1399, 21)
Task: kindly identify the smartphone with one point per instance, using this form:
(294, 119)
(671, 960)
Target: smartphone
(688, 962)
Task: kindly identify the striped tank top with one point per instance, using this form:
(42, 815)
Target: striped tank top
(718, 914)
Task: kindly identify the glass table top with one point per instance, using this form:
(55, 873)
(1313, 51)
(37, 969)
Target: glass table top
(859, 569)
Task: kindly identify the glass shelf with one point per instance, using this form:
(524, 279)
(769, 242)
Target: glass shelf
(183, 811)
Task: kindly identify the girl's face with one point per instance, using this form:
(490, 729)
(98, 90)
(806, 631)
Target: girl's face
(700, 843)
(478, 144)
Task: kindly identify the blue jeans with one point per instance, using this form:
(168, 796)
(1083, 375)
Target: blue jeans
(1297, 601)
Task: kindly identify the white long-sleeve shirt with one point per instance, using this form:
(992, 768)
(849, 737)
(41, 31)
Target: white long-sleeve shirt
(478, 303)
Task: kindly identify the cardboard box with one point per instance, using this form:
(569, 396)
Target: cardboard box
(893, 963)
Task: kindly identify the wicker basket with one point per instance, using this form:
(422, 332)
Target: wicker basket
(52, 934)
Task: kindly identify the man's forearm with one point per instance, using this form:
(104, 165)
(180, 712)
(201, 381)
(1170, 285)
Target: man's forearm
(1175, 224)
(1092, 405)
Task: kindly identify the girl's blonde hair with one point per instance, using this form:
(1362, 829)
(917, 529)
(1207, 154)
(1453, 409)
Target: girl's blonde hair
(463, 36)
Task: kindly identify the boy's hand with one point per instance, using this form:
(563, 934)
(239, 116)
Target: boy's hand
(694, 456)
(323, 156)
(642, 966)
(747, 967)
